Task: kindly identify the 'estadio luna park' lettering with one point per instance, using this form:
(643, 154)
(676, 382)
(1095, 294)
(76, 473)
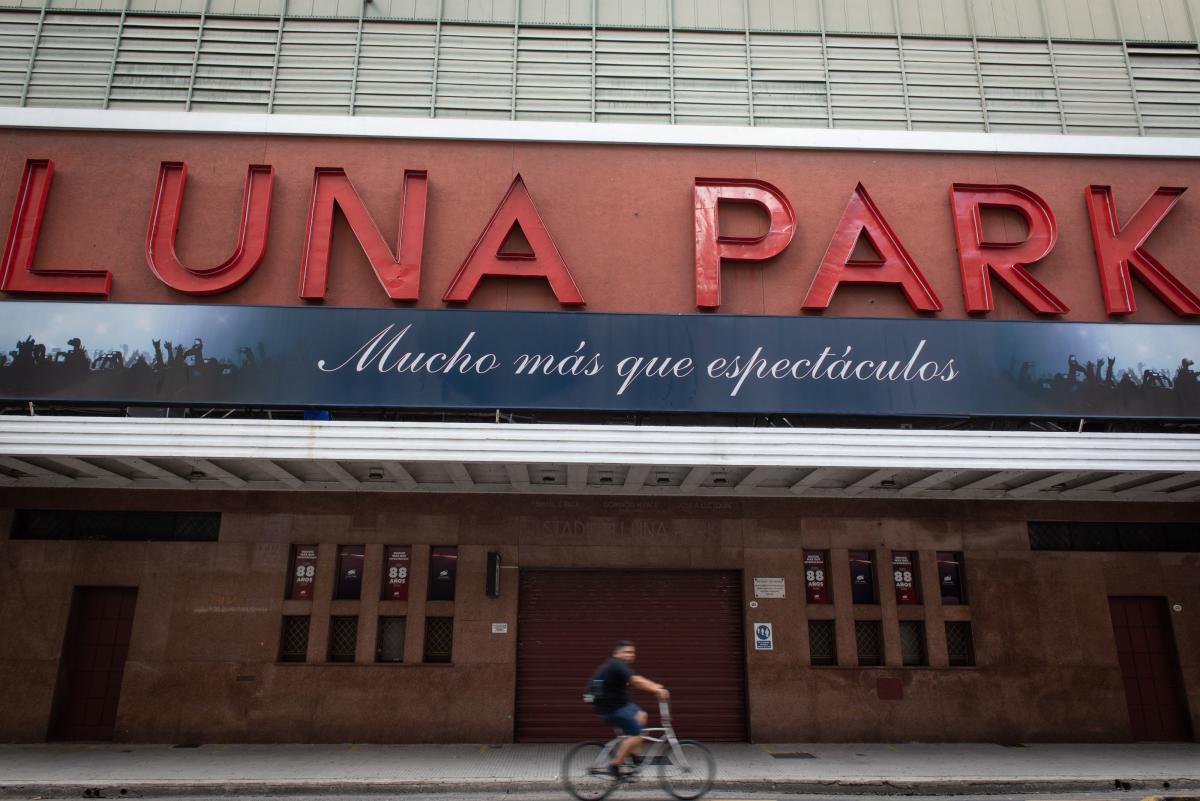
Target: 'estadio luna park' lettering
(1120, 249)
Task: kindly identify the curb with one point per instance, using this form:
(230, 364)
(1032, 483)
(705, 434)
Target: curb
(259, 788)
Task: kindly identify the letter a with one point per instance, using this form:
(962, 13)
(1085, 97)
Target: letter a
(17, 273)
(894, 266)
(515, 210)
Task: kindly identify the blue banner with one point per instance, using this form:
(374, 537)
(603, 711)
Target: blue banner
(297, 356)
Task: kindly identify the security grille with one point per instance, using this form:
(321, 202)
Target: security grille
(959, 646)
(439, 637)
(868, 636)
(390, 645)
(1176, 537)
(822, 642)
(97, 524)
(912, 643)
(343, 638)
(293, 639)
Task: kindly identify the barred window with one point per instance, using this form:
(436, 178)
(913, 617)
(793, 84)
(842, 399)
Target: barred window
(959, 645)
(389, 647)
(1166, 537)
(822, 642)
(912, 643)
(868, 636)
(439, 638)
(293, 639)
(107, 524)
(343, 638)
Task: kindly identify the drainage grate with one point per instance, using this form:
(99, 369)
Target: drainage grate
(791, 755)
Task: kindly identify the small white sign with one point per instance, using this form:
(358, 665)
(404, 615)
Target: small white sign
(768, 587)
(764, 637)
(499, 628)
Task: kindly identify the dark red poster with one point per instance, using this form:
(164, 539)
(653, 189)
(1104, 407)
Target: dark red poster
(815, 586)
(395, 573)
(304, 571)
(904, 575)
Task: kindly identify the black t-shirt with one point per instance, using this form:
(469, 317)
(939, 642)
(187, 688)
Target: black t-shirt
(616, 675)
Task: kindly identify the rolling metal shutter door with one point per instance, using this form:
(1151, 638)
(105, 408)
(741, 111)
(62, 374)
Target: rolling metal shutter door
(688, 630)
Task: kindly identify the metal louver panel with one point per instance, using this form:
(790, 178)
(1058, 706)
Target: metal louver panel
(73, 60)
(316, 66)
(154, 62)
(395, 69)
(1167, 80)
(17, 31)
(475, 71)
(1094, 82)
(711, 79)
(864, 83)
(633, 76)
(235, 64)
(554, 74)
(1018, 87)
(688, 630)
(943, 87)
(789, 80)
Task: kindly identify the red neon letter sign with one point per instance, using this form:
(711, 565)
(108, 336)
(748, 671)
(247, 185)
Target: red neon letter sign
(979, 259)
(1120, 251)
(516, 210)
(251, 237)
(17, 273)
(711, 247)
(894, 266)
(400, 274)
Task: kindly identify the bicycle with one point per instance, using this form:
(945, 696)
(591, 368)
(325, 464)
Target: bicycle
(686, 767)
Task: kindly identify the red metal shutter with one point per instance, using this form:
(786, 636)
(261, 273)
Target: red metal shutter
(688, 631)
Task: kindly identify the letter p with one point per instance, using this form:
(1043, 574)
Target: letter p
(712, 247)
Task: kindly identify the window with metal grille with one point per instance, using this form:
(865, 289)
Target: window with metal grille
(822, 642)
(389, 646)
(868, 636)
(1170, 537)
(439, 638)
(343, 638)
(84, 524)
(293, 639)
(912, 643)
(959, 646)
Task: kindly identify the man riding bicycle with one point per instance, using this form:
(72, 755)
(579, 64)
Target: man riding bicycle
(612, 700)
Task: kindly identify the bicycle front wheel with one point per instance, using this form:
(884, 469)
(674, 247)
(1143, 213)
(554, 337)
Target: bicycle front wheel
(689, 772)
(585, 772)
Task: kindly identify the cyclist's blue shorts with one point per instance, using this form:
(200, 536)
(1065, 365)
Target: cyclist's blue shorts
(625, 719)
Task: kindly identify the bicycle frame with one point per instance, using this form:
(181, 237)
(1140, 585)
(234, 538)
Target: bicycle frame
(661, 738)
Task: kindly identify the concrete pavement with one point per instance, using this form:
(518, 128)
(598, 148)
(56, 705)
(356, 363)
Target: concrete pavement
(254, 770)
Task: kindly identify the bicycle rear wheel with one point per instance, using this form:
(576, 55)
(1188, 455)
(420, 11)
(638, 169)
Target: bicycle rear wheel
(585, 772)
(690, 777)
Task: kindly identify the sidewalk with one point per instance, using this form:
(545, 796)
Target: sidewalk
(59, 770)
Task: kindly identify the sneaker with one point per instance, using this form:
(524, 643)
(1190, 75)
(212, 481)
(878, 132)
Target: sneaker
(638, 759)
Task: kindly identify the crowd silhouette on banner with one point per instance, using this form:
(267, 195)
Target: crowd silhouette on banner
(169, 370)
(1099, 386)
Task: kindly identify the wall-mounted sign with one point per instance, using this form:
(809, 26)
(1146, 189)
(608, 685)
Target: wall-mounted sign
(764, 637)
(395, 573)
(816, 587)
(304, 571)
(862, 577)
(443, 572)
(414, 358)
(904, 576)
(351, 559)
(769, 587)
(499, 628)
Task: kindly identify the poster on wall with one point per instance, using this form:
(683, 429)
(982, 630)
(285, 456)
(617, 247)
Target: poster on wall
(304, 571)
(815, 586)
(395, 573)
(326, 357)
(904, 576)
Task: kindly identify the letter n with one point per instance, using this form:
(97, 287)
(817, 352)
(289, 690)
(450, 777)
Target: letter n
(400, 274)
(486, 258)
(980, 260)
(712, 247)
(894, 265)
(1121, 252)
(17, 273)
(248, 249)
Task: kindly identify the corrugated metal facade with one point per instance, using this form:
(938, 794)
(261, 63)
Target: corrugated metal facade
(1104, 67)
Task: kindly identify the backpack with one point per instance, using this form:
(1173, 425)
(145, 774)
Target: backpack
(594, 692)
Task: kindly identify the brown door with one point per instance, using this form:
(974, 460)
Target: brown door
(93, 662)
(1150, 667)
(688, 630)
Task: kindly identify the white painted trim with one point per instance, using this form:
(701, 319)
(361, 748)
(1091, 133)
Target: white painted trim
(598, 133)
